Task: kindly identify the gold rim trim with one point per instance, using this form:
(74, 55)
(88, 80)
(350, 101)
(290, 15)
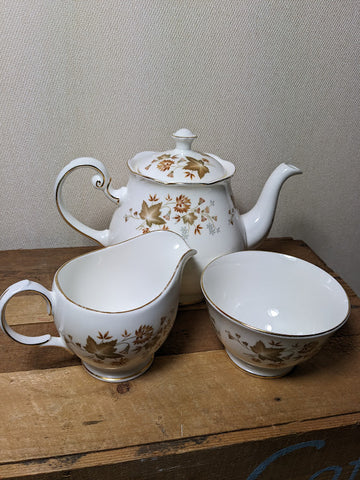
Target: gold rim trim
(182, 184)
(260, 330)
(56, 280)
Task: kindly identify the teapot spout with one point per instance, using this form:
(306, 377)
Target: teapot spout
(259, 219)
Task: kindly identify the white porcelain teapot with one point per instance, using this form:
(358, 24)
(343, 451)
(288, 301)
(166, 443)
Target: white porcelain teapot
(184, 191)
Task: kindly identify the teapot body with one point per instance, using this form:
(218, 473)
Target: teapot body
(204, 215)
(184, 191)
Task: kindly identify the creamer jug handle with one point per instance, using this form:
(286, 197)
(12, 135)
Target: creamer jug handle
(100, 180)
(28, 286)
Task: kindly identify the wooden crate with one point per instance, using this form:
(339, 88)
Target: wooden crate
(193, 415)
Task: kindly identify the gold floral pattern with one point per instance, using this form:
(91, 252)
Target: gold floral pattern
(192, 217)
(275, 353)
(183, 204)
(105, 348)
(192, 167)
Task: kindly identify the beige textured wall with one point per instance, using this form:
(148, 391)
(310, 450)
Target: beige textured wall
(259, 81)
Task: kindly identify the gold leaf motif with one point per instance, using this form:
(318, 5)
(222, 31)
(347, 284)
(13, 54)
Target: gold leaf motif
(101, 350)
(189, 218)
(308, 348)
(189, 175)
(151, 214)
(153, 198)
(159, 215)
(276, 353)
(116, 352)
(266, 353)
(165, 165)
(198, 229)
(197, 166)
(104, 336)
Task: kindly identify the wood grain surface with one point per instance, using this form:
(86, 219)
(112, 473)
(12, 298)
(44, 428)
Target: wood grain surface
(194, 414)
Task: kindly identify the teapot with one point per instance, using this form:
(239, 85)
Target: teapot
(184, 191)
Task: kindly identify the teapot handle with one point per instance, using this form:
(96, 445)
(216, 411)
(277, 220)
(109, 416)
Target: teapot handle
(101, 181)
(28, 286)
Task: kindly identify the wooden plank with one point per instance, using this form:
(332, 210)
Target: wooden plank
(192, 332)
(64, 411)
(300, 249)
(234, 456)
(38, 265)
(41, 264)
(16, 357)
(192, 415)
(27, 308)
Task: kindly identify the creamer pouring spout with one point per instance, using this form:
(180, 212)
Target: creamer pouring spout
(187, 192)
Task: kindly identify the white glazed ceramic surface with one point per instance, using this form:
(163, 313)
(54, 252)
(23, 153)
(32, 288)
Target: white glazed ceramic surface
(113, 307)
(182, 164)
(184, 191)
(272, 311)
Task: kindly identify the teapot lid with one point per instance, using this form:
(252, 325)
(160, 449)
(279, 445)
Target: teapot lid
(182, 164)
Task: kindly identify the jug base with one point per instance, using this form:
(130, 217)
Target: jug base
(117, 376)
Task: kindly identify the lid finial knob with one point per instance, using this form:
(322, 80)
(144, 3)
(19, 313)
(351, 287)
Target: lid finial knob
(184, 138)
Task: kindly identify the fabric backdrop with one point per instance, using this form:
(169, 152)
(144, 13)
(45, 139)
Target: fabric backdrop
(259, 81)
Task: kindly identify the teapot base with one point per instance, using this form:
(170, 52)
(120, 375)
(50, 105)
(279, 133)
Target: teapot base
(117, 375)
(186, 299)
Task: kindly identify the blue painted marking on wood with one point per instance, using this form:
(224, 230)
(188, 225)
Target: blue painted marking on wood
(334, 468)
(318, 444)
(356, 464)
(281, 453)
